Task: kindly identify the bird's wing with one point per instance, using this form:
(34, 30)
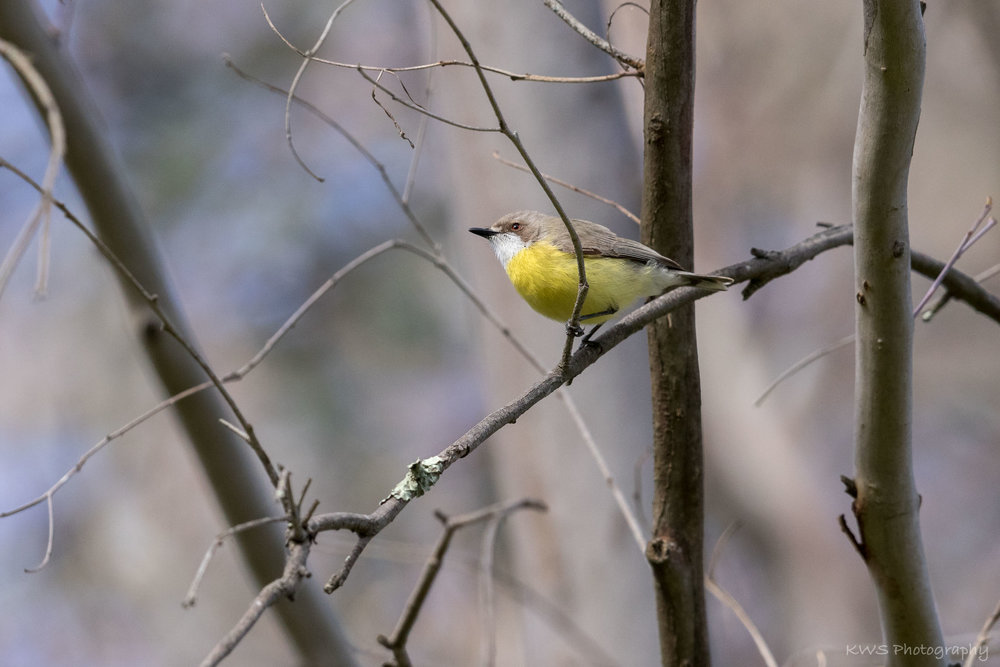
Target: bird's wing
(597, 239)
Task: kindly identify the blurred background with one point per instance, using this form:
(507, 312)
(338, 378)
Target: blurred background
(395, 363)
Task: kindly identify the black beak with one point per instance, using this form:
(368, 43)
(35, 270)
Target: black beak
(482, 231)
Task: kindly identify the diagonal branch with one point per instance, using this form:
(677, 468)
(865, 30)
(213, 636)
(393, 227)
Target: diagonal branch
(593, 37)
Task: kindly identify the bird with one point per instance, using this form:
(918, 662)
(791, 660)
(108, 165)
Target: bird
(537, 253)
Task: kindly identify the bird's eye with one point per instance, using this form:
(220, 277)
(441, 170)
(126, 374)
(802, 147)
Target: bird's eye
(515, 226)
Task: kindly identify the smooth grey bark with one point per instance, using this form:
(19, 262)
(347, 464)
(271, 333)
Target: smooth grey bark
(886, 503)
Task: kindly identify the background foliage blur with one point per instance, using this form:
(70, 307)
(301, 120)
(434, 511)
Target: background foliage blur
(395, 364)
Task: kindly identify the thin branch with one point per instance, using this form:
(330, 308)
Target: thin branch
(728, 600)
(593, 37)
(411, 173)
(396, 641)
(51, 540)
(979, 650)
(48, 496)
(513, 76)
(945, 297)
(587, 193)
(307, 56)
(638, 534)
(42, 214)
(192, 594)
(295, 570)
(803, 363)
(971, 236)
(410, 104)
(400, 198)
(385, 110)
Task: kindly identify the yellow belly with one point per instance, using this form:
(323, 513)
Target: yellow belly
(547, 279)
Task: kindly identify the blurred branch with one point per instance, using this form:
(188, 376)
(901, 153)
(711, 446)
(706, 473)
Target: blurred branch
(192, 594)
(727, 599)
(42, 214)
(234, 474)
(984, 223)
(886, 505)
(307, 56)
(355, 144)
(979, 651)
(558, 181)
(396, 642)
(931, 310)
(282, 587)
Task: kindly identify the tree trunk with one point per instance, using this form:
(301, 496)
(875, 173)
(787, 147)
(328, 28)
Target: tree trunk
(886, 503)
(675, 550)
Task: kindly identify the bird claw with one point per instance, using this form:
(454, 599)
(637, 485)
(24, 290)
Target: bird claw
(574, 330)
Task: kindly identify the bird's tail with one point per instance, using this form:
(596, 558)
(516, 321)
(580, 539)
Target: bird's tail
(713, 283)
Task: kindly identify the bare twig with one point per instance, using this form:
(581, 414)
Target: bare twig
(307, 56)
(410, 104)
(587, 193)
(399, 129)
(971, 236)
(396, 642)
(284, 586)
(931, 310)
(802, 363)
(192, 594)
(594, 38)
(727, 599)
(513, 76)
(979, 651)
(638, 534)
(42, 214)
(48, 496)
(51, 540)
(400, 198)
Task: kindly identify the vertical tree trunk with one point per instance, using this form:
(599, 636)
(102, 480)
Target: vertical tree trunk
(886, 504)
(675, 550)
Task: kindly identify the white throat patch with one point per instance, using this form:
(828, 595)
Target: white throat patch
(506, 246)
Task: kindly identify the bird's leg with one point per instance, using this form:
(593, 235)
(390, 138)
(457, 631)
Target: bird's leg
(586, 339)
(604, 313)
